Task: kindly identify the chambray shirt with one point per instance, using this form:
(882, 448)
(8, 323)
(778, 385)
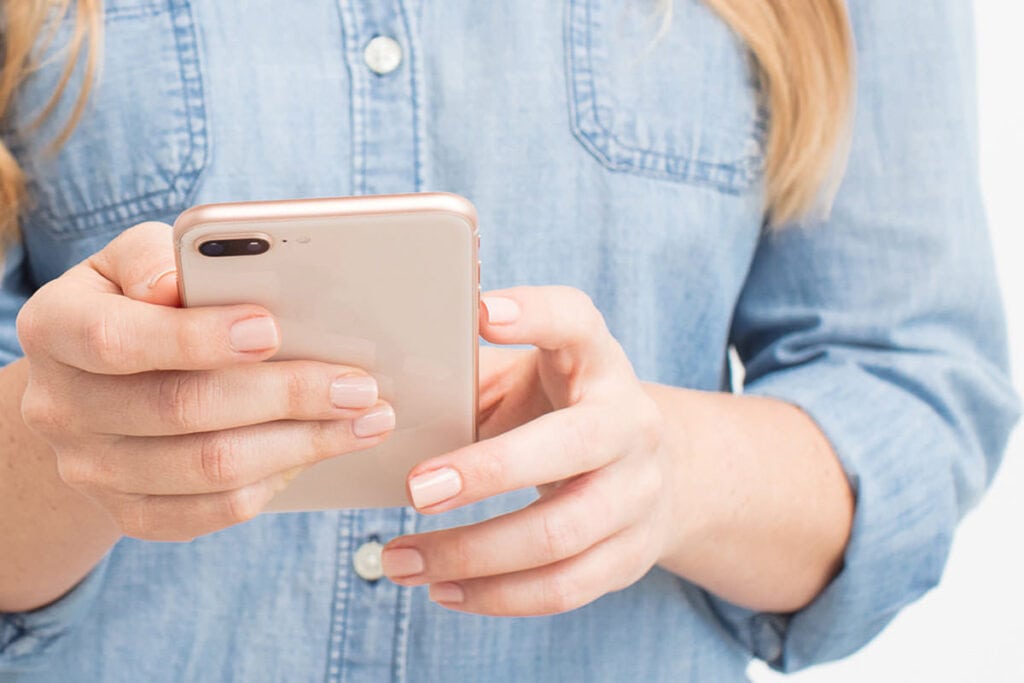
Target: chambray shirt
(600, 157)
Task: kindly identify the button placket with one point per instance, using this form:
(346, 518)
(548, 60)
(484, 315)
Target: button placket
(376, 609)
(381, 53)
(380, 47)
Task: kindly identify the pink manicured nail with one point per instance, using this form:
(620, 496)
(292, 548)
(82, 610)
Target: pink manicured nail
(374, 423)
(431, 488)
(254, 334)
(501, 311)
(446, 592)
(402, 562)
(354, 392)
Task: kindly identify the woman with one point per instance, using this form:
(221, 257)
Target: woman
(633, 153)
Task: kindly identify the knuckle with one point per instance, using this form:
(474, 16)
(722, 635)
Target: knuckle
(490, 471)
(39, 413)
(78, 470)
(585, 306)
(583, 300)
(459, 555)
(242, 504)
(219, 461)
(134, 519)
(183, 399)
(107, 341)
(140, 517)
(560, 536)
(322, 437)
(299, 386)
(328, 438)
(560, 592)
(28, 326)
(573, 295)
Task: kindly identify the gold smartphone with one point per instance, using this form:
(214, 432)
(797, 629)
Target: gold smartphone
(387, 283)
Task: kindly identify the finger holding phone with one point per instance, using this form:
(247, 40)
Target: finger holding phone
(166, 416)
(590, 440)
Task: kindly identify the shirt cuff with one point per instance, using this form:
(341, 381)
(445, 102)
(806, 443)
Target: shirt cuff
(914, 471)
(29, 639)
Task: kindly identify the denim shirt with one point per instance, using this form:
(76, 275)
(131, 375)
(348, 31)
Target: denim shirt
(599, 156)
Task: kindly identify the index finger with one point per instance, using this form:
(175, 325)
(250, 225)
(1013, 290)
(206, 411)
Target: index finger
(562, 321)
(554, 447)
(108, 333)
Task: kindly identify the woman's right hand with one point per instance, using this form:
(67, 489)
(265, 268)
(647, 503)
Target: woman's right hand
(166, 416)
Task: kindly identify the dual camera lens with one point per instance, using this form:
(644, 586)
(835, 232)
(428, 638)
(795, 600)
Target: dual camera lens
(241, 247)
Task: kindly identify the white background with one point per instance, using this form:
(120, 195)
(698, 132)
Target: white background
(971, 628)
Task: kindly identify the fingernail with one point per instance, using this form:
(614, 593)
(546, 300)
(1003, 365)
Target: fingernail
(402, 562)
(155, 280)
(434, 487)
(141, 291)
(254, 334)
(374, 423)
(501, 311)
(353, 391)
(450, 593)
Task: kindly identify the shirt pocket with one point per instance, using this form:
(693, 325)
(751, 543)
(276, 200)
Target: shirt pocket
(139, 149)
(675, 101)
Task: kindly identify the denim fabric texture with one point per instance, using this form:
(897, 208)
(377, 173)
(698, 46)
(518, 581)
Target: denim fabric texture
(599, 156)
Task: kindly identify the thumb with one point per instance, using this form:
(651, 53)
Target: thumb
(140, 262)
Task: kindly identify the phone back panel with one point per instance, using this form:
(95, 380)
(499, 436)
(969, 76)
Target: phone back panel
(389, 284)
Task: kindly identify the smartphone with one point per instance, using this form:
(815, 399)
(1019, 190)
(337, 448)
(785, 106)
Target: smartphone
(386, 283)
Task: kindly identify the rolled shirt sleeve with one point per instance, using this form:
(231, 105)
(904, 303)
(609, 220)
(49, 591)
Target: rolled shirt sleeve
(27, 639)
(885, 325)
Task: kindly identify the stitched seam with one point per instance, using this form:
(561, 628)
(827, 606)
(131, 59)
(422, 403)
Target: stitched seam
(105, 214)
(195, 97)
(413, 92)
(353, 524)
(184, 181)
(729, 166)
(403, 614)
(359, 97)
(362, 101)
(688, 162)
(340, 600)
(611, 150)
(130, 11)
(346, 57)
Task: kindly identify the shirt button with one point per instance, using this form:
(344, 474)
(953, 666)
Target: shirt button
(383, 55)
(366, 561)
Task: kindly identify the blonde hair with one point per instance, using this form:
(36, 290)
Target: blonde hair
(23, 23)
(803, 49)
(804, 52)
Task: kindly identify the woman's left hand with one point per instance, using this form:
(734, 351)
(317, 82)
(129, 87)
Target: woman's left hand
(571, 418)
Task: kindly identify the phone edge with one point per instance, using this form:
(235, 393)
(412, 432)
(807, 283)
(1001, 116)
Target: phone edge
(360, 205)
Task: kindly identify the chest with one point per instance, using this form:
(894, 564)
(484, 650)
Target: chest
(606, 144)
